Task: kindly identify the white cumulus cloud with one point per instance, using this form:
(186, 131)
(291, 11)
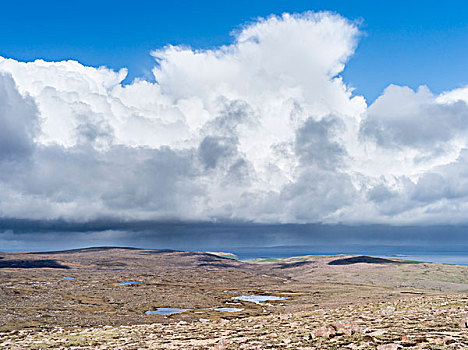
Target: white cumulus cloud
(263, 129)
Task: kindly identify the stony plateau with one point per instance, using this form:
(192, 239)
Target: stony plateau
(333, 302)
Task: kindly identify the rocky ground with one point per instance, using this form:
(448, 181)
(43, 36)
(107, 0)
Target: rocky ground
(334, 302)
(419, 323)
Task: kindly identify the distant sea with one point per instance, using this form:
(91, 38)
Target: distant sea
(446, 257)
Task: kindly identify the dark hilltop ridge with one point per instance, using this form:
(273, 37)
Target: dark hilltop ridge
(111, 296)
(365, 259)
(86, 250)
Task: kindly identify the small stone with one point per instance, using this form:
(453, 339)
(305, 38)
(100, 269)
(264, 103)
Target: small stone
(377, 333)
(222, 344)
(388, 310)
(436, 341)
(449, 340)
(325, 331)
(368, 338)
(463, 322)
(390, 346)
(345, 327)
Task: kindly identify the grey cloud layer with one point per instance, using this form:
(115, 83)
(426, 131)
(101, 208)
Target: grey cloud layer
(18, 120)
(262, 130)
(402, 117)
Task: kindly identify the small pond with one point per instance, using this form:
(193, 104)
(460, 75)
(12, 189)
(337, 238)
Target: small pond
(165, 311)
(68, 278)
(125, 283)
(228, 309)
(257, 299)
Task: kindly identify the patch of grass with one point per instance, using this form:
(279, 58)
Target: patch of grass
(296, 259)
(411, 261)
(225, 255)
(268, 260)
(263, 260)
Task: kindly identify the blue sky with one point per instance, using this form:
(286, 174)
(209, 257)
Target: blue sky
(403, 42)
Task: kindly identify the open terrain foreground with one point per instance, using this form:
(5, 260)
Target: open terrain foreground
(128, 298)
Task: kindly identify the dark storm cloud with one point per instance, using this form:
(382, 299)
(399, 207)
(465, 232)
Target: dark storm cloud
(244, 239)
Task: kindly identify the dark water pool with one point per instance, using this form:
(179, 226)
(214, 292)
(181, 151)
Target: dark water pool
(257, 299)
(125, 283)
(165, 311)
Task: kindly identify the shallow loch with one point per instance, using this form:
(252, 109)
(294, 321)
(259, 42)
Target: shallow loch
(125, 283)
(165, 311)
(257, 299)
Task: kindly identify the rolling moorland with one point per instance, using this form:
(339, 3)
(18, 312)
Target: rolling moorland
(104, 298)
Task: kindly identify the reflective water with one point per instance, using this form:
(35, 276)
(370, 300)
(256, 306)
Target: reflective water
(125, 283)
(165, 311)
(257, 299)
(228, 309)
(68, 278)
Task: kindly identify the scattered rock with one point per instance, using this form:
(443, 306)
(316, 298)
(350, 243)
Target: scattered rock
(368, 338)
(335, 329)
(436, 341)
(222, 344)
(463, 322)
(345, 327)
(449, 340)
(377, 333)
(388, 310)
(325, 331)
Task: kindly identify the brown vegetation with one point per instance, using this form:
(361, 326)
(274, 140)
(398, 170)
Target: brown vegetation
(359, 302)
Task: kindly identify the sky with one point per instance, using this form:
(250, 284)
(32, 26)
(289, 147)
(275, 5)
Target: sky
(403, 42)
(328, 113)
